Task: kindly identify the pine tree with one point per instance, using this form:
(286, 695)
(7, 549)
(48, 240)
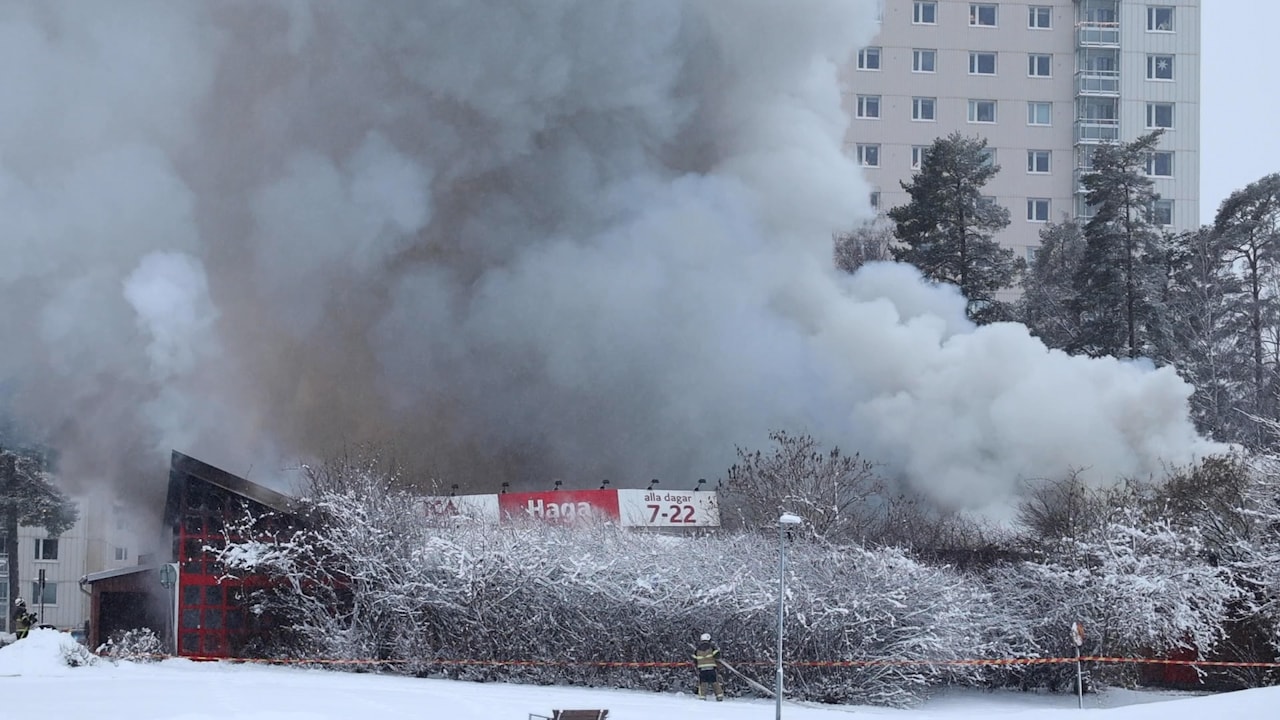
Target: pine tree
(1119, 281)
(1204, 342)
(946, 229)
(28, 497)
(1046, 303)
(1248, 223)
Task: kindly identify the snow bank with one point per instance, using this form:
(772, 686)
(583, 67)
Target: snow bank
(42, 653)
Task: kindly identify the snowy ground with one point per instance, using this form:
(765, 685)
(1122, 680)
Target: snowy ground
(36, 683)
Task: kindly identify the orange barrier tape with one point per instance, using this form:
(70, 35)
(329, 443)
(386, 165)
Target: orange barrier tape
(763, 663)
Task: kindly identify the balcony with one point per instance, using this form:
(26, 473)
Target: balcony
(1080, 173)
(1098, 34)
(1104, 83)
(1097, 130)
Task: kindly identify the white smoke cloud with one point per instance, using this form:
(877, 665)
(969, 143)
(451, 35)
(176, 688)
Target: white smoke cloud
(578, 239)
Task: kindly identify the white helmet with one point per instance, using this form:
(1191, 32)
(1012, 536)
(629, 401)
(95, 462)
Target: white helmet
(19, 602)
(706, 637)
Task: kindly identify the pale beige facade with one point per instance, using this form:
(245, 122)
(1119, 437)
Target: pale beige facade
(1044, 82)
(103, 538)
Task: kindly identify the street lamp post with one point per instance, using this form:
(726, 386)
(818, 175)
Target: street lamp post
(786, 520)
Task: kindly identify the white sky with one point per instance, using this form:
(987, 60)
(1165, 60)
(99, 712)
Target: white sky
(1240, 98)
(36, 684)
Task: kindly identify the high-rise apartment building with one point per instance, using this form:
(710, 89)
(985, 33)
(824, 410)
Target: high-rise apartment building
(1044, 82)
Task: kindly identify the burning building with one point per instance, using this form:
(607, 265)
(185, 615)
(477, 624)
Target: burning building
(189, 599)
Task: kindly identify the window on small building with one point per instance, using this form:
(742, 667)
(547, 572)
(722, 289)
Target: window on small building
(983, 14)
(1039, 65)
(50, 595)
(868, 155)
(982, 63)
(868, 107)
(869, 58)
(1159, 67)
(924, 61)
(924, 12)
(924, 108)
(1159, 18)
(1159, 115)
(982, 111)
(47, 549)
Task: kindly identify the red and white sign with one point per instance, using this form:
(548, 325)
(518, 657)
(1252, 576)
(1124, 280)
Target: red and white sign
(559, 506)
(628, 508)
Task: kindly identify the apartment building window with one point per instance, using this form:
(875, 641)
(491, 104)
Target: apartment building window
(1038, 209)
(875, 200)
(917, 156)
(1160, 163)
(47, 549)
(988, 156)
(122, 553)
(1039, 65)
(1038, 161)
(924, 108)
(1159, 18)
(1159, 115)
(982, 111)
(983, 14)
(924, 61)
(869, 58)
(1032, 253)
(868, 155)
(1159, 67)
(869, 107)
(1040, 17)
(1039, 113)
(982, 63)
(1162, 212)
(924, 12)
(50, 595)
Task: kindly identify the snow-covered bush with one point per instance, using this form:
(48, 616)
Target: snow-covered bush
(373, 578)
(136, 645)
(369, 576)
(76, 655)
(1140, 587)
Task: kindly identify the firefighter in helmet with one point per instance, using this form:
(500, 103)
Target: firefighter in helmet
(706, 658)
(23, 618)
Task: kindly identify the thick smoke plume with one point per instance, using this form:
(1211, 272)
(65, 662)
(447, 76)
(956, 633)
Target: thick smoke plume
(515, 241)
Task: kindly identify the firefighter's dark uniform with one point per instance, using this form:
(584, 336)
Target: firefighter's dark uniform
(706, 657)
(24, 620)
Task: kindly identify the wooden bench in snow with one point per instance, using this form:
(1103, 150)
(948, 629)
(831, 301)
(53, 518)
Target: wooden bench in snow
(573, 715)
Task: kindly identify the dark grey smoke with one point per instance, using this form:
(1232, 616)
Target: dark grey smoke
(512, 240)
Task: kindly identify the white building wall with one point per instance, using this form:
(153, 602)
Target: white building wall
(1011, 136)
(100, 540)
